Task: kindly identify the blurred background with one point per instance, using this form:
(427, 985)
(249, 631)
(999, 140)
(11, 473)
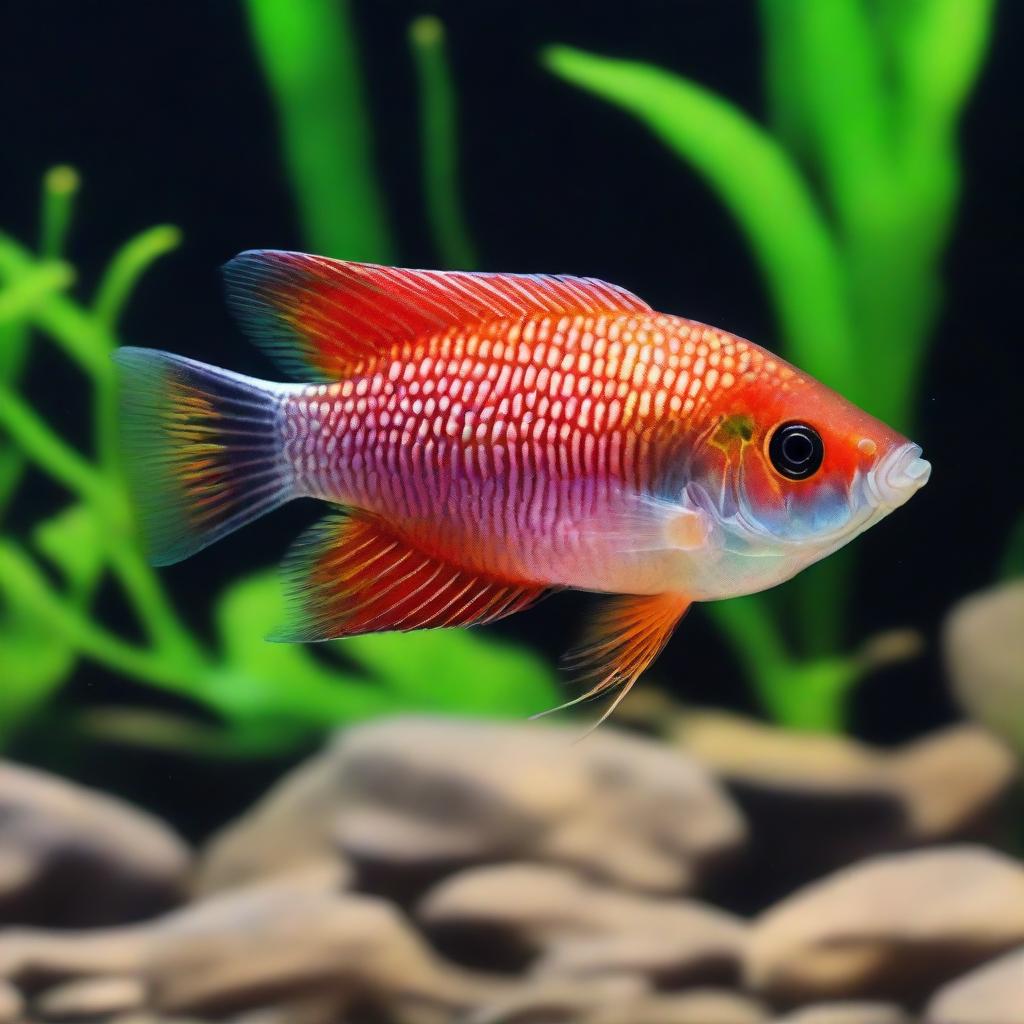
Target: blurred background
(837, 180)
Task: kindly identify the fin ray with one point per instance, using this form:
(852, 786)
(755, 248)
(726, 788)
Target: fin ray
(323, 319)
(627, 634)
(350, 574)
(202, 450)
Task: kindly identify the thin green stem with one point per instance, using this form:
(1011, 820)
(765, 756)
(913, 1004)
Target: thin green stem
(24, 585)
(60, 186)
(130, 262)
(75, 330)
(20, 297)
(439, 143)
(35, 438)
(121, 276)
(149, 600)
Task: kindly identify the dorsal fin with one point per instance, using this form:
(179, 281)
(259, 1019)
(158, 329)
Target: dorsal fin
(322, 319)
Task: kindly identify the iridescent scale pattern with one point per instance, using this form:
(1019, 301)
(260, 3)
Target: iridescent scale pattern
(499, 444)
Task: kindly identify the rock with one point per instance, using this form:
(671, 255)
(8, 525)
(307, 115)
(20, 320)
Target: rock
(12, 1006)
(578, 928)
(290, 829)
(983, 641)
(695, 1007)
(953, 783)
(249, 948)
(844, 799)
(619, 1000)
(895, 926)
(92, 998)
(413, 796)
(72, 857)
(828, 790)
(848, 1013)
(565, 1002)
(991, 994)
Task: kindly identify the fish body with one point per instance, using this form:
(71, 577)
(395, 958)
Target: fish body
(493, 437)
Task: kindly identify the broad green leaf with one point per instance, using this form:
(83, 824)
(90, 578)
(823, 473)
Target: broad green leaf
(937, 48)
(429, 670)
(757, 181)
(264, 680)
(457, 670)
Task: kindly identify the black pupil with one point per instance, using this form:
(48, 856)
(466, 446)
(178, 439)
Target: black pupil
(796, 450)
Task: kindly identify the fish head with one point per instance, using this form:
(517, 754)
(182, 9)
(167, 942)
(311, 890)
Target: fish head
(788, 471)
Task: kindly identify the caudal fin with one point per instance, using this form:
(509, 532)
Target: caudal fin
(203, 450)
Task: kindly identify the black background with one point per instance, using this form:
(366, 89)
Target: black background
(164, 112)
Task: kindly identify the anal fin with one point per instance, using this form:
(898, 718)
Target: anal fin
(351, 574)
(628, 633)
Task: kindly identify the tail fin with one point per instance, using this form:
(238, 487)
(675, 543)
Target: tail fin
(203, 448)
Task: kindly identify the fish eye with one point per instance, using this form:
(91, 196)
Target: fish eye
(796, 450)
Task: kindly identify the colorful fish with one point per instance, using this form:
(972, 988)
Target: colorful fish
(489, 438)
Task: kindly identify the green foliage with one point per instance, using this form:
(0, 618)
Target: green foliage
(259, 697)
(846, 202)
(311, 61)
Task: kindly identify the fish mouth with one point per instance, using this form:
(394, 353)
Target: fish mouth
(898, 476)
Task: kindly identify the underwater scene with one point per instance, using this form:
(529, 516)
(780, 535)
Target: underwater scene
(511, 513)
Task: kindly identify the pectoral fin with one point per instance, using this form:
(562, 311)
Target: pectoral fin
(627, 635)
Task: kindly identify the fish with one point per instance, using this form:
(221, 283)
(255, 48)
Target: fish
(486, 439)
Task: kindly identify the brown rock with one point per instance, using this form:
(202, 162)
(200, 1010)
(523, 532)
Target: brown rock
(421, 795)
(844, 799)
(618, 1000)
(256, 947)
(991, 994)
(12, 1005)
(892, 927)
(696, 1007)
(580, 928)
(72, 857)
(848, 1013)
(983, 640)
(562, 1002)
(953, 783)
(830, 791)
(92, 998)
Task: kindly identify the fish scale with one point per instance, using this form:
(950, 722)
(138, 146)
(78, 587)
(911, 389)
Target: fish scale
(525, 405)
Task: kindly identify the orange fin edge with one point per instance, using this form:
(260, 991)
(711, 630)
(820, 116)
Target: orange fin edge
(625, 637)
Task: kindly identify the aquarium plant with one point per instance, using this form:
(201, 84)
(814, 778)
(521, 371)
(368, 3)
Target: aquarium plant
(846, 198)
(260, 697)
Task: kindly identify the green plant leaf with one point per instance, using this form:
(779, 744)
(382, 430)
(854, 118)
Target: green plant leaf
(429, 670)
(34, 665)
(311, 60)
(262, 680)
(73, 542)
(759, 184)
(456, 670)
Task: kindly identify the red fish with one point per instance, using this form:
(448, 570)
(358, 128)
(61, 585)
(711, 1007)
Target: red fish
(491, 437)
